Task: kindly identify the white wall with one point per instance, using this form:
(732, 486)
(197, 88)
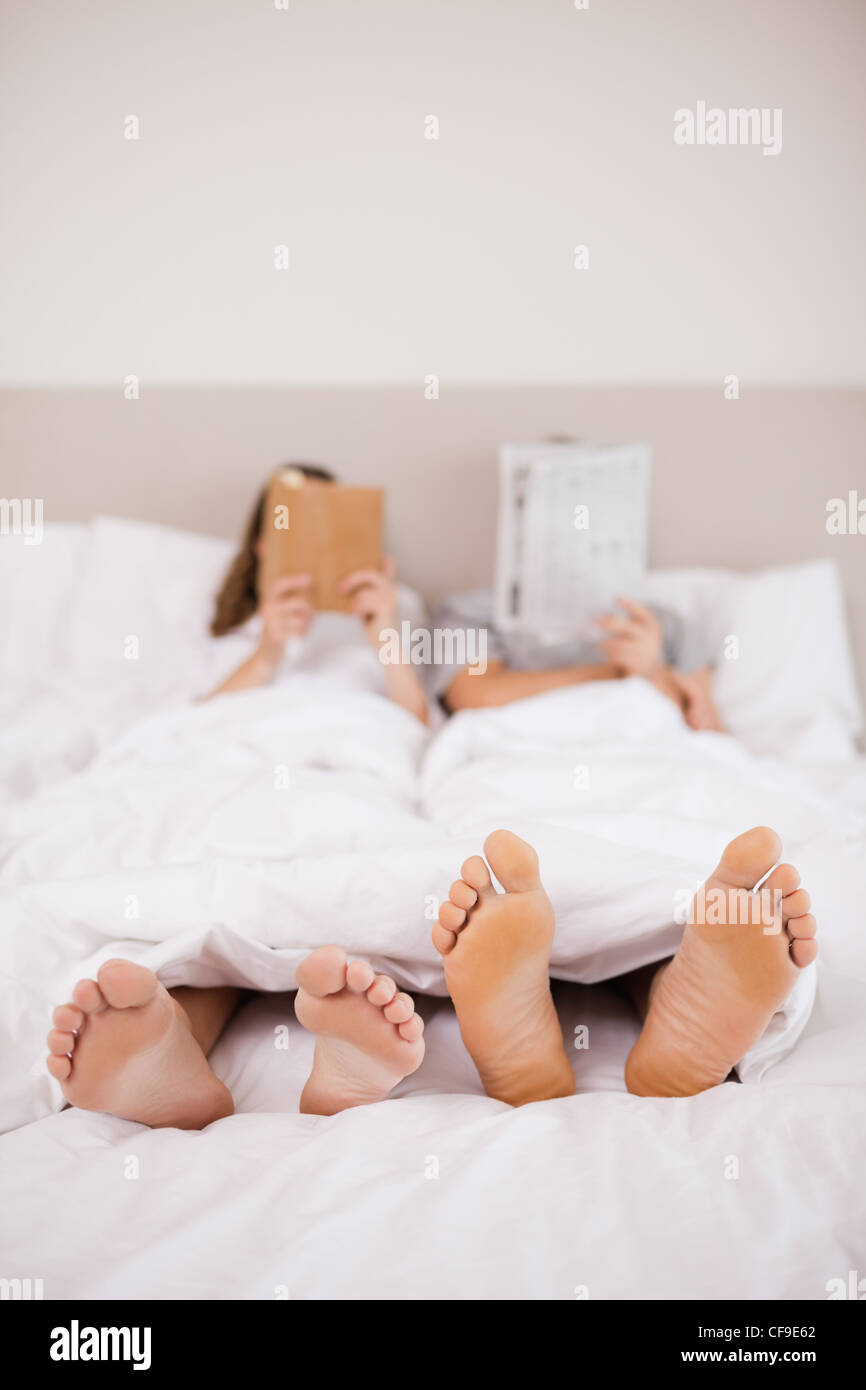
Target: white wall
(409, 257)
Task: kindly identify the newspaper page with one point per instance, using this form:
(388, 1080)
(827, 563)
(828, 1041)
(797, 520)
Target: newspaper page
(572, 534)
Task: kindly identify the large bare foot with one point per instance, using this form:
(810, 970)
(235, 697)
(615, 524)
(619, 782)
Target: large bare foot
(736, 966)
(497, 954)
(124, 1046)
(368, 1034)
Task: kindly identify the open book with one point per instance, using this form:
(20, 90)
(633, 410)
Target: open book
(572, 534)
(322, 529)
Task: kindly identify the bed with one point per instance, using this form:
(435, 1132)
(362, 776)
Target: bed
(139, 823)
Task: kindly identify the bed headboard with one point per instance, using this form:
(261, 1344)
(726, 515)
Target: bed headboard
(740, 483)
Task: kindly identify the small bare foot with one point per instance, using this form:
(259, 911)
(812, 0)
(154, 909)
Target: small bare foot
(735, 967)
(124, 1046)
(497, 956)
(368, 1034)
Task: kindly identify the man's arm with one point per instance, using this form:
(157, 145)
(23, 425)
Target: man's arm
(699, 710)
(499, 685)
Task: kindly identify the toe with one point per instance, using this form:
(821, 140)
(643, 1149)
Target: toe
(462, 895)
(784, 879)
(513, 861)
(802, 928)
(749, 857)
(89, 997)
(323, 972)
(476, 873)
(68, 1019)
(360, 976)
(796, 904)
(452, 917)
(443, 940)
(381, 991)
(804, 952)
(126, 985)
(60, 1043)
(58, 1067)
(400, 1009)
(412, 1029)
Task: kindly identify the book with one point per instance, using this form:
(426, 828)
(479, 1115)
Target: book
(322, 529)
(572, 534)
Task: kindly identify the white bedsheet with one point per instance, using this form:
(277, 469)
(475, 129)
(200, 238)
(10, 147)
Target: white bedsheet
(748, 1191)
(225, 840)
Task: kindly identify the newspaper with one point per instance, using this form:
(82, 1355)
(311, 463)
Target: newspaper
(572, 534)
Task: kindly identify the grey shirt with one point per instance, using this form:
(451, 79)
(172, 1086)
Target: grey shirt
(522, 651)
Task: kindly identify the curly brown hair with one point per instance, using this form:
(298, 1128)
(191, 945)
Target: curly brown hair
(238, 597)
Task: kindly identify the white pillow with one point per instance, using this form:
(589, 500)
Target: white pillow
(142, 613)
(784, 680)
(76, 598)
(144, 604)
(38, 585)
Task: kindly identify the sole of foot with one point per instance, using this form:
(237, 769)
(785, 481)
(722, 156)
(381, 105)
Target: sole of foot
(496, 955)
(368, 1035)
(123, 1046)
(735, 967)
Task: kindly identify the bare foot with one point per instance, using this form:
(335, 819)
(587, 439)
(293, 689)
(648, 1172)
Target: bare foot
(713, 1001)
(124, 1046)
(497, 955)
(368, 1034)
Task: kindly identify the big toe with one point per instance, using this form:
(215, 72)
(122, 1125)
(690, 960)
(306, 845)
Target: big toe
(513, 861)
(126, 985)
(749, 857)
(323, 971)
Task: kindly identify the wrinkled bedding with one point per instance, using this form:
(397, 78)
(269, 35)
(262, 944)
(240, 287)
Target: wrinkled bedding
(222, 841)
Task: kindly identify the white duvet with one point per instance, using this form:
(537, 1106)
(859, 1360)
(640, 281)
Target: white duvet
(222, 841)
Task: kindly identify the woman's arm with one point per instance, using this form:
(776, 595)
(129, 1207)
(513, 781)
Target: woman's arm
(404, 688)
(259, 669)
(373, 595)
(285, 613)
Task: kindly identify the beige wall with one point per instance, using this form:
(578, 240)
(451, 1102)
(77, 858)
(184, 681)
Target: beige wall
(411, 257)
(737, 483)
(305, 127)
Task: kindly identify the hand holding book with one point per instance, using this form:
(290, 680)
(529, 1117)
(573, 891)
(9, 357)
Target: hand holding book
(372, 595)
(322, 530)
(286, 612)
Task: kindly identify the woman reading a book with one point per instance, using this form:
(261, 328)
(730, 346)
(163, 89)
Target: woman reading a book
(281, 630)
